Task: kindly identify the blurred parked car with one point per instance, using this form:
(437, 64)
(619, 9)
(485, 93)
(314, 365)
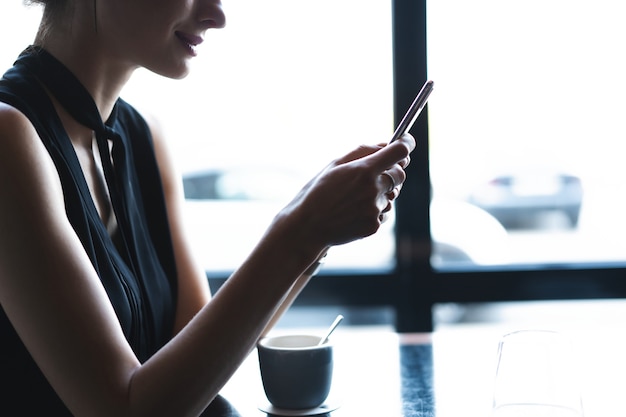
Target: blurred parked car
(228, 209)
(242, 183)
(464, 234)
(525, 198)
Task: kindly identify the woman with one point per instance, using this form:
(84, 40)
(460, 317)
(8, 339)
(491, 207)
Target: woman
(104, 310)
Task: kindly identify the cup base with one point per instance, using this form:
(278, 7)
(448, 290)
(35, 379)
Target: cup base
(327, 407)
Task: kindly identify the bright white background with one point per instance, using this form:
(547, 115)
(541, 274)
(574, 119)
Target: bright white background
(533, 82)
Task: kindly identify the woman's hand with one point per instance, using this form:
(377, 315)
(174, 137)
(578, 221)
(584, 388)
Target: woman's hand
(353, 195)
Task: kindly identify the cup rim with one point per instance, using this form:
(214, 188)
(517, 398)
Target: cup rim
(263, 342)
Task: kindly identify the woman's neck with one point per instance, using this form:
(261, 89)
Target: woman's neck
(78, 46)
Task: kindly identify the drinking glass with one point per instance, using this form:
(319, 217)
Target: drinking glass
(536, 376)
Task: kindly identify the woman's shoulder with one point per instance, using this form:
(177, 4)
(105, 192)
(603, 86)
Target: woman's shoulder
(13, 123)
(21, 151)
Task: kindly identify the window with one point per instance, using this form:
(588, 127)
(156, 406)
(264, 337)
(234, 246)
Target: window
(526, 130)
(527, 108)
(525, 134)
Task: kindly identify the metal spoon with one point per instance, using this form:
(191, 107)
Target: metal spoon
(330, 330)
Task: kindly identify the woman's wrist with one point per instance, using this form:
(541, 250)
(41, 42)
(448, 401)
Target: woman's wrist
(316, 265)
(290, 227)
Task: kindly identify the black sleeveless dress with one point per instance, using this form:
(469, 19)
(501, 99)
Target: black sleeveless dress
(138, 270)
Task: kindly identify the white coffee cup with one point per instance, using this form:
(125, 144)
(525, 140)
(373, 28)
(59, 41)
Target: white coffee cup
(295, 370)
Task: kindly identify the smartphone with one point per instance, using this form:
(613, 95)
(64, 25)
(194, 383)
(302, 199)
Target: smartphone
(416, 108)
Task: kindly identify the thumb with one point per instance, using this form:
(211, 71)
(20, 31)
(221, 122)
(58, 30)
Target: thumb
(391, 154)
(358, 153)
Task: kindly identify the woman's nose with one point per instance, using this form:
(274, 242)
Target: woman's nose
(211, 14)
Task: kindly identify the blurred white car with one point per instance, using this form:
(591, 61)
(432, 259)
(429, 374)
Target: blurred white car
(227, 210)
(522, 198)
(464, 234)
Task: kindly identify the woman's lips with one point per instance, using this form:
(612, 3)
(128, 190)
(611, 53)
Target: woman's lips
(190, 41)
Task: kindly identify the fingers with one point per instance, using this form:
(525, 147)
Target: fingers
(392, 182)
(383, 217)
(392, 179)
(358, 153)
(405, 162)
(353, 173)
(393, 192)
(386, 212)
(383, 156)
(393, 162)
(392, 154)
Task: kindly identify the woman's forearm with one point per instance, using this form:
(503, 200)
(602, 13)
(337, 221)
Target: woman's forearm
(195, 365)
(293, 293)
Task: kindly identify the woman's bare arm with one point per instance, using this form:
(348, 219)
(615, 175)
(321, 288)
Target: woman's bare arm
(293, 293)
(56, 302)
(48, 288)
